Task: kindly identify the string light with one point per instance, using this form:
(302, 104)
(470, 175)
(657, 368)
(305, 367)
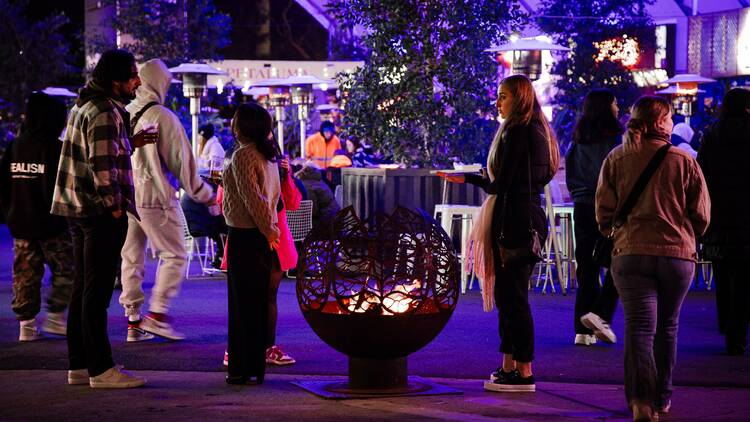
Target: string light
(624, 50)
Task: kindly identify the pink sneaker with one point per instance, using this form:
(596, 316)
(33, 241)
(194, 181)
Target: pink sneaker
(226, 358)
(276, 356)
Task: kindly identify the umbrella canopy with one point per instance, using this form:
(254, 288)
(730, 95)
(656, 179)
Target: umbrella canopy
(307, 80)
(526, 44)
(672, 89)
(196, 68)
(270, 82)
(256, 91)
(327, 107)
(688, 78)
(58, 92)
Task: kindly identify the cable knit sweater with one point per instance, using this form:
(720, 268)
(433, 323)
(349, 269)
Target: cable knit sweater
(251, 191)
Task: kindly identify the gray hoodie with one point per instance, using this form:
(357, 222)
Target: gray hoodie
(159, 170)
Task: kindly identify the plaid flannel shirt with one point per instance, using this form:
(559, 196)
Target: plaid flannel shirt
(95, 175)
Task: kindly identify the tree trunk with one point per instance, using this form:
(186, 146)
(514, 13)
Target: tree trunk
(263, 47)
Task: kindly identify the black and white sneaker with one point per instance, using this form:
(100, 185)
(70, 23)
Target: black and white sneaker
(500, 374)
(511, 383)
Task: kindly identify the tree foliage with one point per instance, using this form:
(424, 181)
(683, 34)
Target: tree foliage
(424, 92)
(580, 24)
(160, 29)
(33, 55)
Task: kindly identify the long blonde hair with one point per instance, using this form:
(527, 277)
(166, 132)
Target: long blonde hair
(526, 108)
(645, 116)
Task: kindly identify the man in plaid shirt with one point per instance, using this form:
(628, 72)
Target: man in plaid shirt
(94, 188)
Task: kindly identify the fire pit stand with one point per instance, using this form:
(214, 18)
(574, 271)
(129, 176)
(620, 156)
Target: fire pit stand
(377, 293)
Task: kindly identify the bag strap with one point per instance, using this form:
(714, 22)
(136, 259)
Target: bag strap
(640, 185)
(139, 114)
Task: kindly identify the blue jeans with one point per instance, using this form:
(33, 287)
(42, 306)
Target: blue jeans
(651, 289)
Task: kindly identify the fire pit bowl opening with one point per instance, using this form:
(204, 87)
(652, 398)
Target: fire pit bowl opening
(378, 292)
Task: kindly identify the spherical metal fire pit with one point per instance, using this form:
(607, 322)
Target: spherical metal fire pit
(378, 292)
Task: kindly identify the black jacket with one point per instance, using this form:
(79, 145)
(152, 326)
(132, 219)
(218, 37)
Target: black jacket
(325, 206)
(723, 159)
(519, 145)
(582, 166)
(27, 181)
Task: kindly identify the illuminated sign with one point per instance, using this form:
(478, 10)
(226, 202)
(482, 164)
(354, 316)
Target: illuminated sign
(624, 50)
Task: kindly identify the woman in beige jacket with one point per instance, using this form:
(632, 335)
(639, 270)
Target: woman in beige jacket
(654, 250)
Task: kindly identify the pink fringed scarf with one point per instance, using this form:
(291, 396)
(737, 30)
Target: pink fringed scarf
(479, 245)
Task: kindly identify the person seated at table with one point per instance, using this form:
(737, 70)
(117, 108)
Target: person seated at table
(202, 224)
(324, 203)
(209, 148)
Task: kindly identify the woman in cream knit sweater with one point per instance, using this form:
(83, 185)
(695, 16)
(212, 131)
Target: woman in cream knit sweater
(251, 195)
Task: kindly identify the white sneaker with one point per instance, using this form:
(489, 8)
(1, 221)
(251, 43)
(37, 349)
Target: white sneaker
(585, 339)
(78, 377)
(136, 333)
(160, 328)
(28, 330)
(55, 324)
(602, 331)
(115, 378)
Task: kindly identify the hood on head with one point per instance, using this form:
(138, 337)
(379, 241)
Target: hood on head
(155, 80)
(684, 131)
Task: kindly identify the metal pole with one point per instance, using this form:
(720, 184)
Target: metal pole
(195, 108)
(302, 114)
(280, 127)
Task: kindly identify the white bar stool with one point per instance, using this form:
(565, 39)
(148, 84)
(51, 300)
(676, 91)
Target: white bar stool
(466, 214)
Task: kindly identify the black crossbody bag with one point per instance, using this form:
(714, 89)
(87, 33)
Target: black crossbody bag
(602, 254)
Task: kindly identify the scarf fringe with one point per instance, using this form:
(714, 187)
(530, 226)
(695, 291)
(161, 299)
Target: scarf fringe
(479, 255)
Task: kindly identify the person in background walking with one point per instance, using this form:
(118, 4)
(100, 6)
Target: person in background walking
(159, 171)
(654, 253)
(523, 158)
(596, 133)
(27, 182)
(723, 158)
(251, 194)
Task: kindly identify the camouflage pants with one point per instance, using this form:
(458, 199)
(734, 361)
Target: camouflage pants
(29, 257)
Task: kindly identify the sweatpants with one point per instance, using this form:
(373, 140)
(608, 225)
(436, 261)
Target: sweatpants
(164, 228)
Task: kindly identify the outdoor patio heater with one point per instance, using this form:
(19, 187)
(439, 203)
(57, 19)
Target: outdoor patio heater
(278, 99)
(686, 91)
(377, 292)
(194, 86)
(303, 98)
(527, 54)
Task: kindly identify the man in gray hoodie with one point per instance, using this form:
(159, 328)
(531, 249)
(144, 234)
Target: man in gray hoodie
(159, 170)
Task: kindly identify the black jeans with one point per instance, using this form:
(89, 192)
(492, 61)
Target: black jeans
(97, 242)
(589, 296)
(732, 303)
(250, 262)
(515, 324)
